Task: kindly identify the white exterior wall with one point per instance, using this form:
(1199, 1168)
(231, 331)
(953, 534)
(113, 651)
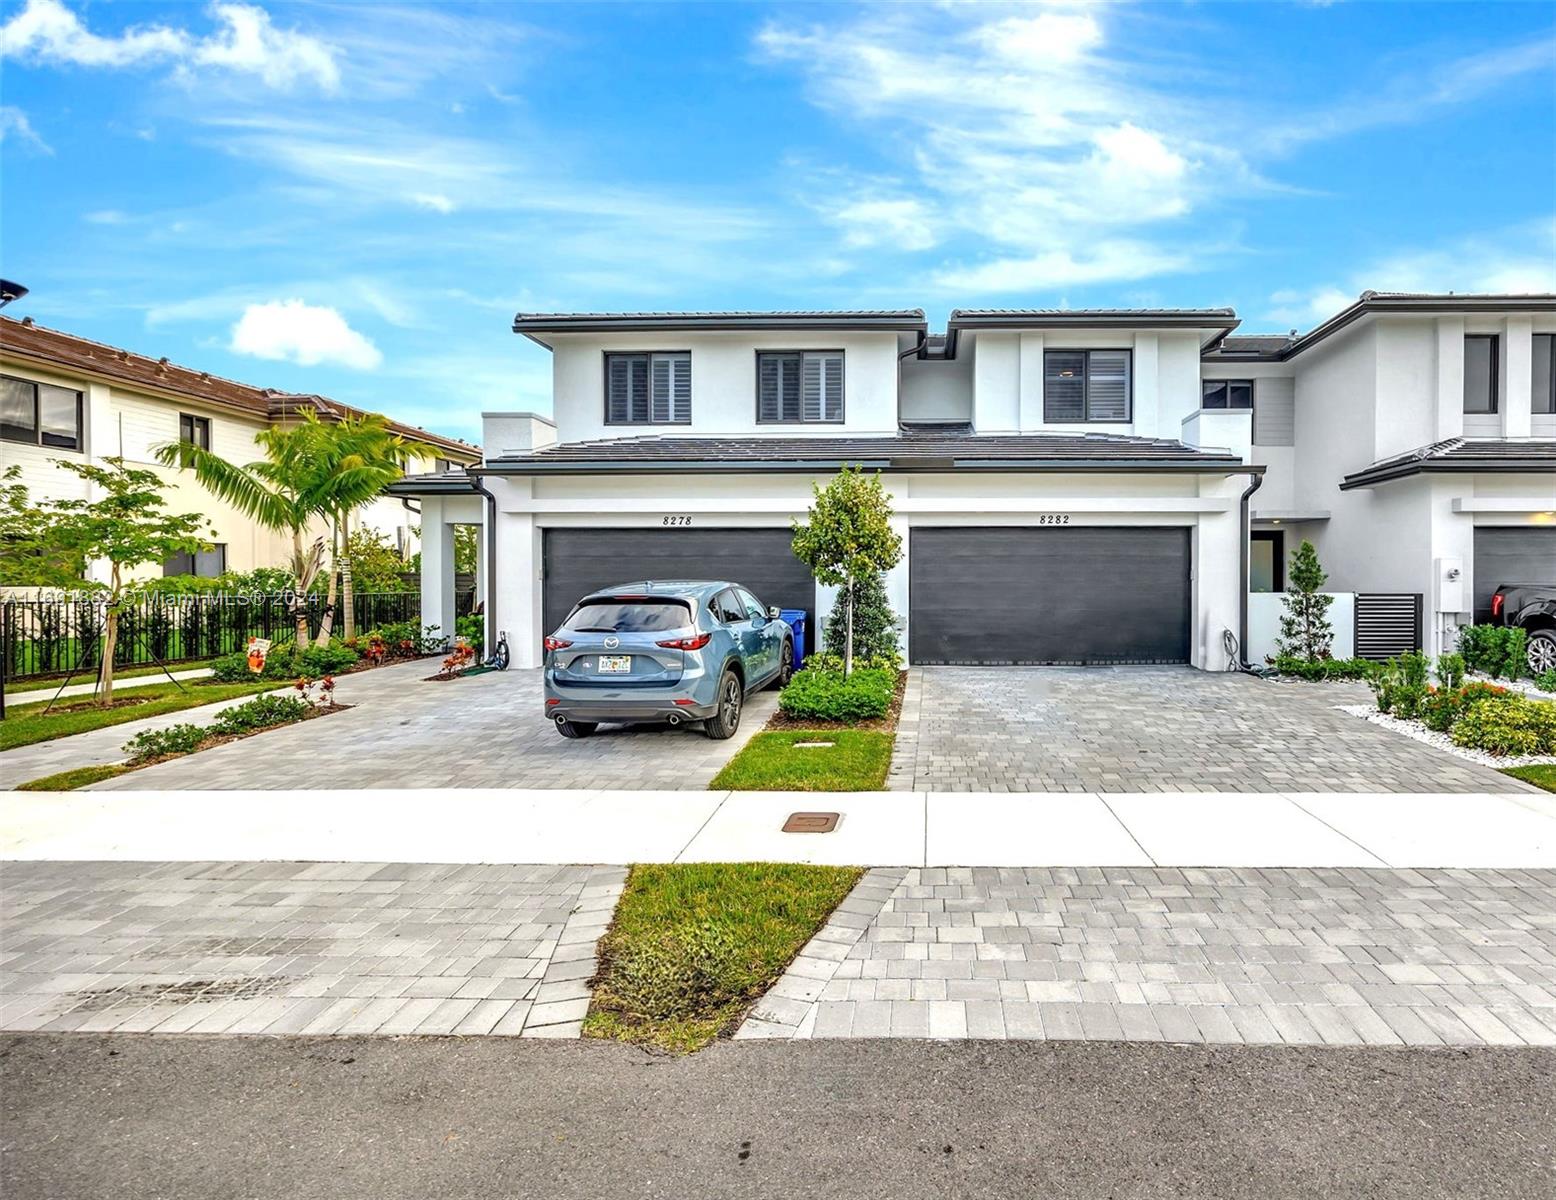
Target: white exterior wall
(528, 506)
(723, 381)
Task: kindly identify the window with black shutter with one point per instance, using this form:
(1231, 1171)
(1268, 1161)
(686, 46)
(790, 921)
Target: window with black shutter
(1086, 385)
(799, 387)
(648, 389)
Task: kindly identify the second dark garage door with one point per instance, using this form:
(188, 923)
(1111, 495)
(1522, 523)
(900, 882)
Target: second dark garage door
(1522, 554)
(1040, 595)
(579, 561)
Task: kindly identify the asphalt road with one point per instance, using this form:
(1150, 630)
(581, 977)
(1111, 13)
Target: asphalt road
(132, 1116)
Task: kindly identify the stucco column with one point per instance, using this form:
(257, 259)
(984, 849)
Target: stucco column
(1031, 382)
(519, 612)
(1450, 378)
(437, 567)
(1517, 377)
(1146, 373)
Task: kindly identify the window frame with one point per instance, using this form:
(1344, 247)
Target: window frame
(1494, 383)
(37, 387)
(1277, 539)
(1087, 352)
(842, 360)
(217, 548)
(1550, 391)
(196, 423)
(1228, 384)
(648, 364)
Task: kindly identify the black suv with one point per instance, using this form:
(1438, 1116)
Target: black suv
(1532, 607)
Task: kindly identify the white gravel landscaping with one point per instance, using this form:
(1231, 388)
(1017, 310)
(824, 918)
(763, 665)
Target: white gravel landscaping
(1414, 729)
(1525, 686)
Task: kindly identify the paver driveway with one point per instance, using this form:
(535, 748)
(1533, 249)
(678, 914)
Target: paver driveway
(486, 731)
(1146, 729)
(1335, 957)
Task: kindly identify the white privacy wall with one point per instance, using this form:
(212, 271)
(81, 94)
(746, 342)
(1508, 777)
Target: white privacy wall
(1265, 610)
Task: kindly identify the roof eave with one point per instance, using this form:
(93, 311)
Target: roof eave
(1226, 466)
(1513, 466)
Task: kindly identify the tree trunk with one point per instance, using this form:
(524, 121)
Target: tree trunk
(110, 640)
(848, 640)
(348, 595)
(299, 597)
(327, 622)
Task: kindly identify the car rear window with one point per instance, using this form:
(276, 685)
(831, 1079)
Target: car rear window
(629, 616)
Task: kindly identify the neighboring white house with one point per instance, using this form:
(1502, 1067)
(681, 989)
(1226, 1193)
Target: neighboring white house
(64, 397)
(1061, 494)
(1412, 439)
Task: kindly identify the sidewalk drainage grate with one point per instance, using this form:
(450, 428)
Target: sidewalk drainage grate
(810, 822)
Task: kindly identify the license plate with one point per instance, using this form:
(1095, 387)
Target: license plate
(615, 664)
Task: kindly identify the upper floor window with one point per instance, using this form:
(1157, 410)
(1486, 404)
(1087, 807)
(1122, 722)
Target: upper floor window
(207, 564)
(801, 386)
(39, 414)
(1226, 393)
(1086, 385)
(194, 430)
(1480, 373)
(1543, 375)
(648, 389)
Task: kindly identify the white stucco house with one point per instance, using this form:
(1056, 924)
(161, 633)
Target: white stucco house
(1071, 485)
(66, 398)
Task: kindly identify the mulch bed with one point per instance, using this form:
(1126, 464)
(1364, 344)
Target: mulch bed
(780, 721)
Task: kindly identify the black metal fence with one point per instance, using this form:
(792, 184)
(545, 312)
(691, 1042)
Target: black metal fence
(51, 637)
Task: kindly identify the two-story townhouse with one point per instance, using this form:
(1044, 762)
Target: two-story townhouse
(1062, 495)
(1412, 439)
(66, 398)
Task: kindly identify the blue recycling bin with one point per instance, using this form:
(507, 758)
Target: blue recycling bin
(796, 619)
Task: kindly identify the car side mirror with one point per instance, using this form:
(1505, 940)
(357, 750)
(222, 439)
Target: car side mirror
(774, 613)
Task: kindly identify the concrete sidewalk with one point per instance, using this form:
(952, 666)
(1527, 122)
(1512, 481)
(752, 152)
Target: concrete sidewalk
(909, 829)
(41, 695)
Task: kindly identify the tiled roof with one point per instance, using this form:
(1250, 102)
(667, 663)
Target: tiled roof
(1519, 455)
(52, 346)
(1209, 314)
(924, 449)
(911, 319)
(1262, 345)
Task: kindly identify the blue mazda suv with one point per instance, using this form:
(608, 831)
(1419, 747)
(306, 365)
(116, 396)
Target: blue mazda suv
(676, 652)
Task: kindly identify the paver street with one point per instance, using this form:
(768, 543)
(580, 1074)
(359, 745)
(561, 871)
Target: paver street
(1155, 729)
(1334, 957)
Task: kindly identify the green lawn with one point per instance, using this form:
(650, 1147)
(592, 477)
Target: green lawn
(38, 685)
(1541, 777)
(25, 724)
(857, 761)
(69, 781)
(694, 945)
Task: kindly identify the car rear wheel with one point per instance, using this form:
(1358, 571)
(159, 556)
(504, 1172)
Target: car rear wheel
(1542, 651)
(575, 729)
(726, 719)
(785, 666)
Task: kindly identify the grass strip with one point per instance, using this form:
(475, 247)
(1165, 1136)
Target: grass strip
(78, 777)
(1542, 776)
(694, 945)
(855, 761)
(26, 724)
(38, 685)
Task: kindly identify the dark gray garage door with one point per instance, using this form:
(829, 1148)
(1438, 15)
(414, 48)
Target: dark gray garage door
(1033, 595)
(1523, 555)
(579, 561)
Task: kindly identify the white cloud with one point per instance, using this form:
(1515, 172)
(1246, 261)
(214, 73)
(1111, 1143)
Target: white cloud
(245, 42)
(1518, 260)
(14, 124)
(902, 223)
(1101, 263)
(106, 216)
(436, 201)
(306, 334)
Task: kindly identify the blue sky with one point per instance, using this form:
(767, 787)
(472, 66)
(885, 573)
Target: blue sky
(355, 199)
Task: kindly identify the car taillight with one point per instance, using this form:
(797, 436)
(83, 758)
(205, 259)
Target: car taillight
(687, 643)
(1496, 604)
(556, 643)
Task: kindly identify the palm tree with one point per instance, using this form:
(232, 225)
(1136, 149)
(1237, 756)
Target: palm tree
(304, 476)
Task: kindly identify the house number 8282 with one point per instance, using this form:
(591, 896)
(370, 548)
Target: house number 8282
(677, 521)
(1054, 519)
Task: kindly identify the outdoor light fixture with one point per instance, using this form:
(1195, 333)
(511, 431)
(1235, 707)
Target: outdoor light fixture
(10, 291)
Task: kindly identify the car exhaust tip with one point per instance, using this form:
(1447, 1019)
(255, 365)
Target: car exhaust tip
(675, 718)
(560, 719)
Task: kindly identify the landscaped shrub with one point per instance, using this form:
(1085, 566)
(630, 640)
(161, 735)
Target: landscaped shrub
(1442, 706)
(1546, 680)
(472, 629)
(323, 660)
(1511, 725)
(1400, 686)
(834, 662)
(1450, 671)
(155, 743)
(1316, 670)
(832, 696)
(260, 713)
(875, 625)
(234, 668)
(406, 639)
(1495, 650)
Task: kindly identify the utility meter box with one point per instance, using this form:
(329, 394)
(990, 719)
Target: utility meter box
(1450, 586)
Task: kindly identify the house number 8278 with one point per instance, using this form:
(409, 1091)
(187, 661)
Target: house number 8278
(677, 521)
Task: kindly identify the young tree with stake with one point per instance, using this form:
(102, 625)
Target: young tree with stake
(1305, 631)
(848, 534)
